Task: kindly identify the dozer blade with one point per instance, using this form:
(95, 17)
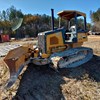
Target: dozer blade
(15, 60)
(71, 58)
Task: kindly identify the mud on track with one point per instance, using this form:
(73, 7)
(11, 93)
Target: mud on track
(42, 83)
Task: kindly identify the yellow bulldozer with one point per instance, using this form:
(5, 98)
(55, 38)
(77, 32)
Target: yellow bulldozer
(60, 47)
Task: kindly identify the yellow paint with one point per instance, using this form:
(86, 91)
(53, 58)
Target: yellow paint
(60, 41)
(45, 55)
(77, 44)
(36, 53)
(82, 37)
(59, 45)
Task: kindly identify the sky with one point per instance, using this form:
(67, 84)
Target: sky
(44, 6)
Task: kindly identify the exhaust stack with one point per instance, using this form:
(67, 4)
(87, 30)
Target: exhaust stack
(52, 19)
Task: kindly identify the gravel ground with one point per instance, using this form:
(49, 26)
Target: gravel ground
(43, 83)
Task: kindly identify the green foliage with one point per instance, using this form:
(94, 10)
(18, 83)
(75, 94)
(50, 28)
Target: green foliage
(6, 19)
(89, 26)
(32, 24)
(95, 18)
(14, 13)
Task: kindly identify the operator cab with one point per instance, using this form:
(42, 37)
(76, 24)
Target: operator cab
(73, 26)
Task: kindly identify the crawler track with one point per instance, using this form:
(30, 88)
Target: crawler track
(72, 58)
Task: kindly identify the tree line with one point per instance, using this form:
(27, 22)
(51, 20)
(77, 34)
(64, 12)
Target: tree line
(95, 18)
(33, 24)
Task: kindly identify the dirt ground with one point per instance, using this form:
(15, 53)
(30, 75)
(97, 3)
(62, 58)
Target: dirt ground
(43, 83)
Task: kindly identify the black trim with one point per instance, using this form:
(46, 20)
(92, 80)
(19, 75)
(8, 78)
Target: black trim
(85, 26)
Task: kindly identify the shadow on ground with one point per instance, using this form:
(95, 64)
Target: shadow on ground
(43, 83)
(91, 68)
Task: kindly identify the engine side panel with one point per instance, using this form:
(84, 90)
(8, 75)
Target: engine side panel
(54, 40)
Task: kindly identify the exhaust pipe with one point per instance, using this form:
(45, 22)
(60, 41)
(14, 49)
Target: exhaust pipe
(52, 19)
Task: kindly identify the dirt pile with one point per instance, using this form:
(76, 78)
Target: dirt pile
(67, 84)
